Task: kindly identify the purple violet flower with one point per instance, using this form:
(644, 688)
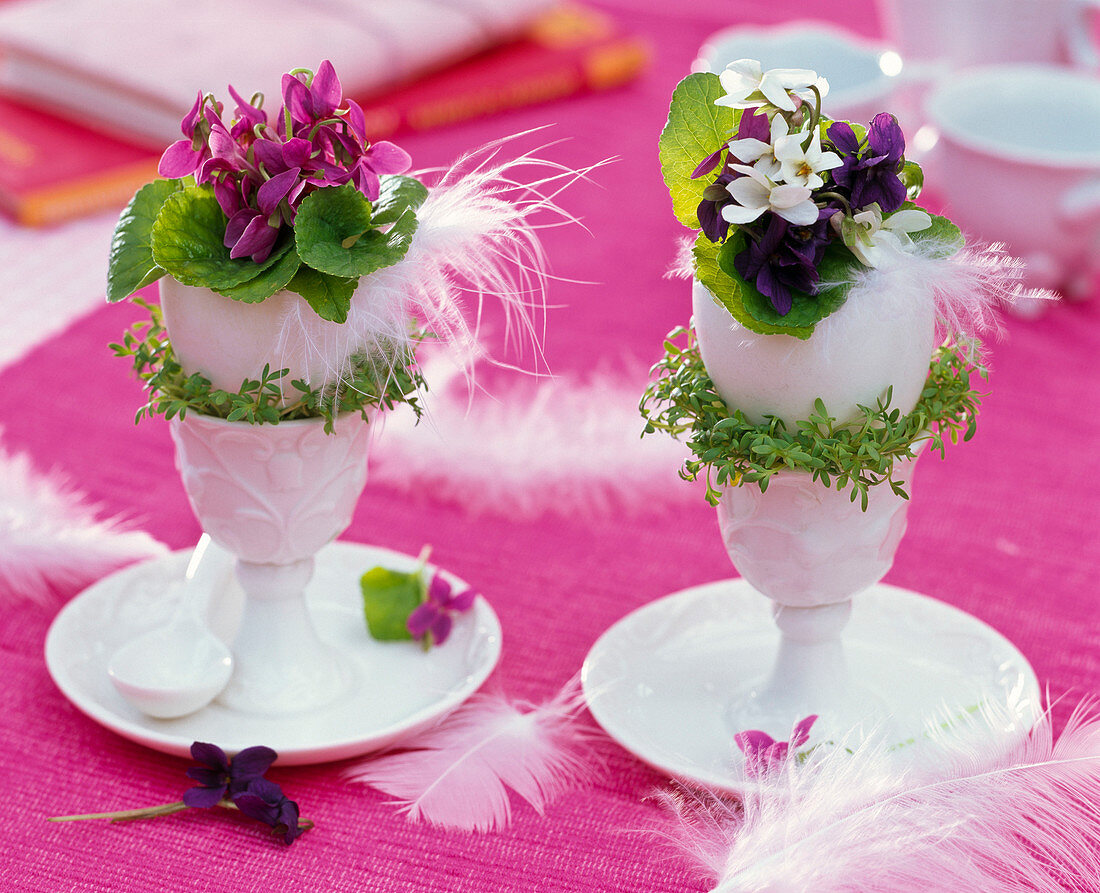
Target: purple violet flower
(265, 801)
(716, 196)
(435, 616)
(763, 754)
(260, 173)
(219, 776)
(870, 173)
(784, 258)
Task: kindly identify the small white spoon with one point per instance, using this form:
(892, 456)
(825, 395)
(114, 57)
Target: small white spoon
(178, 668)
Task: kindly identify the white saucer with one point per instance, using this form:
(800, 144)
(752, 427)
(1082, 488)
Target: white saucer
(398, 688)
(659, 679)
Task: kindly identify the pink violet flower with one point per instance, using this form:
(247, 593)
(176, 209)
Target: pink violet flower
(436, 615)
(260, 173)
(764, 755)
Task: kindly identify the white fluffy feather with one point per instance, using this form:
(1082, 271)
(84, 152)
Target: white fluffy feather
(999, 813)
(477, 239)
(555, 446)
(458, 774)
(50, 538)
(968, 288)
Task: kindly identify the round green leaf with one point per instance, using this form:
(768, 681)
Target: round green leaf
(132, 266)
(395, 196)
(336, 234)
(275, 278)
(188, 242)
(696, 128)
(329, 296)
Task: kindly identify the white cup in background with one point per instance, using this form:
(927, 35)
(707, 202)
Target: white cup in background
(957, 33)
(1018, 161)
(861, 74)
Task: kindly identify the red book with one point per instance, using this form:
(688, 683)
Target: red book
(53, 170)
(567, 51)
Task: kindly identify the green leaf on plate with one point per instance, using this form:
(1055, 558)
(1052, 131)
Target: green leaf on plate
(188, 242)
(696, 128)
(329, 296)
(131, 265)
(389, 597)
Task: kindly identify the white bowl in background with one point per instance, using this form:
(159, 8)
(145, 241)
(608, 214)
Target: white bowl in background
(862, 74)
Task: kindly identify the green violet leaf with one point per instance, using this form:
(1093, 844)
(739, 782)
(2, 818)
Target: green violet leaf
(714, 269)
(132, 265)
(336, 234)
(273, 279)
(696, 128)
(329, 296)
(396, 195)
(188, 242)
(389, 597)
(942, 233)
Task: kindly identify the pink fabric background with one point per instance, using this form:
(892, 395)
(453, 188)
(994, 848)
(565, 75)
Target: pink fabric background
(1006, 528)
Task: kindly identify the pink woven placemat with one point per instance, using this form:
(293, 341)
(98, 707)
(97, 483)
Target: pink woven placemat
(1006, 528)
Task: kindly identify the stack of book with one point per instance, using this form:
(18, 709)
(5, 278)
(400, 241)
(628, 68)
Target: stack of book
(60, 159)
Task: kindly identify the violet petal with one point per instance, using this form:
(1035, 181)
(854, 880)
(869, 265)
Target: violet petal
(421, 620)
(441, 627)
(275, 190)
(179, 160)
(388, 158)
(203, 797)
(326, 90)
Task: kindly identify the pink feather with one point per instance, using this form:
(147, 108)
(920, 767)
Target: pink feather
(51, 539)
(458, 774)
(999, 814)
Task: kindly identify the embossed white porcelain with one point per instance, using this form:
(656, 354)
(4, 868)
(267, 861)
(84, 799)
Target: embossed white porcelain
(397, 688)
(1034, 186)
(273, 495)
(811, 550)
(852, 357)
(658, 681)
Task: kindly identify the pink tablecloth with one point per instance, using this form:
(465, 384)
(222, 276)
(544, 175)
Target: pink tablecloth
(1006, 528)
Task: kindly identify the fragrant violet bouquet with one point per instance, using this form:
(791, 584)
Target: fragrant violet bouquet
(300, 263)
(821, 293)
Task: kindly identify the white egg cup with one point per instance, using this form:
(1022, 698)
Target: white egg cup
(674, 681)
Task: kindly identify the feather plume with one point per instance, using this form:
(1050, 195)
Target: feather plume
(477, 239)
(50, 538)
(458, 774)
(559, 446)
(999, 811)
(968, 288)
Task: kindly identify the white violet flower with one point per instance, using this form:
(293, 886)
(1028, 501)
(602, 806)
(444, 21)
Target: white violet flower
(803, 166)
(875, 240)
(747, 84)
(759, 154)
(755, 194)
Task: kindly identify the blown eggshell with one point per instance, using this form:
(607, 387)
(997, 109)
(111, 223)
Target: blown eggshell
(852, 357)
(228, 341)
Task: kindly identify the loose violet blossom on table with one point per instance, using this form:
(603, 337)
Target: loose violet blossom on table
(236, 783)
